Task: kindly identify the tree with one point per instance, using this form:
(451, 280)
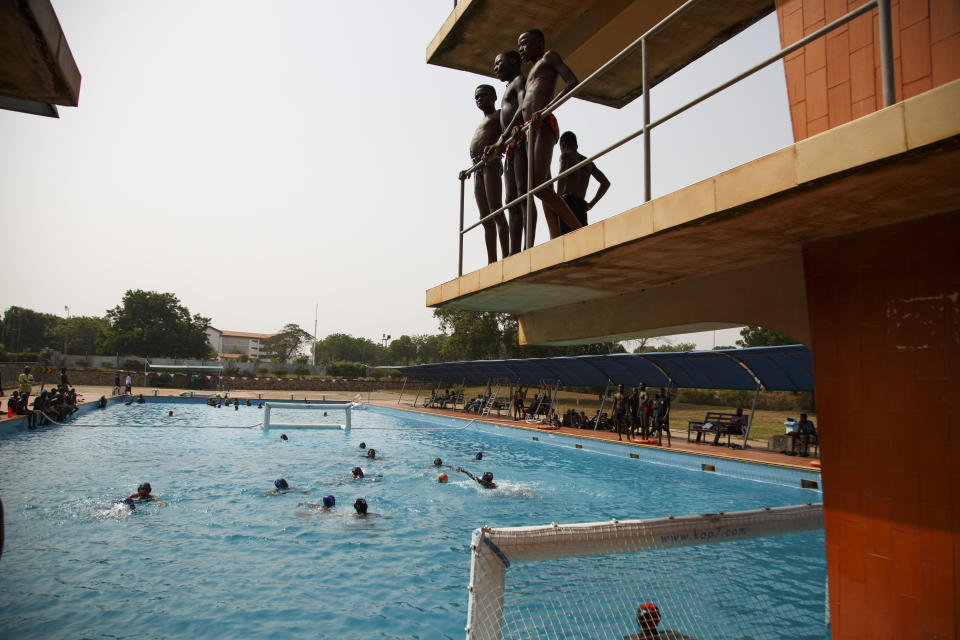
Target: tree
(346, 348)
(26, 329)
(401, 351)
(282, 346)
(429, 347)
(473, 335)
(151, 325)
(754, 336)
(667, 347)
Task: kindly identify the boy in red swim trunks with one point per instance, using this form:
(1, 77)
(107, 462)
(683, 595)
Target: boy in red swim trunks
(538, 94)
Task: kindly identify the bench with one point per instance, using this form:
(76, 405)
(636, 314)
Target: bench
(721, 424)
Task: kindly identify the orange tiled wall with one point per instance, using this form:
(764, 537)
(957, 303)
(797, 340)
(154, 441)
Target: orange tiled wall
(836, 78)
(884, 308)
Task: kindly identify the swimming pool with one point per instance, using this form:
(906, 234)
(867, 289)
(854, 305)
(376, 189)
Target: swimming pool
(224, 559)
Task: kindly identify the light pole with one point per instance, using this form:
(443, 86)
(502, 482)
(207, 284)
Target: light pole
(384, 339)
(66, 329)
(316, 311)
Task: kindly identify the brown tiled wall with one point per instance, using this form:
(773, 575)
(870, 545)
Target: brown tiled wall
(884, 309)
(837, 78)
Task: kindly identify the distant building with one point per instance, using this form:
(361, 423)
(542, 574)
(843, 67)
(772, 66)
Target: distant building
(230, 344)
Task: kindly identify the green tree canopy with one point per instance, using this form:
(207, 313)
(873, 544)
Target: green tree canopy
(402, 350)
(153, 325)
(668, 348)
(346, 348)
(754, 336)
(26, 329)
(285, 344)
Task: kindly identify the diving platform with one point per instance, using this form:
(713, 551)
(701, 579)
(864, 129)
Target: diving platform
(587, 34)
(728, 251)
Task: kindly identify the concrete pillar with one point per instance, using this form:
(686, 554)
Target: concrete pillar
(884, 308)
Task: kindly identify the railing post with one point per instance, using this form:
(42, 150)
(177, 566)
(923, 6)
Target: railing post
(886, 53)
(646, 119)
(528, 241)
(460, 266)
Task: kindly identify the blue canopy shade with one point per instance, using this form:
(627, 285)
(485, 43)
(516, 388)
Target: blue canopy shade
(786, 368)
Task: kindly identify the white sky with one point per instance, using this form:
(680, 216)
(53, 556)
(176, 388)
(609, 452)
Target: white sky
(258, 158)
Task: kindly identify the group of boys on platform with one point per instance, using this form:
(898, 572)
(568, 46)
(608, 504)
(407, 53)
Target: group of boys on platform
(499, 150)
(54, 404)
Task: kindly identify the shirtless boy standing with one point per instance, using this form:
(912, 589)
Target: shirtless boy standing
(538, 95)
(486, 184)
(573, 188)
(506, 66)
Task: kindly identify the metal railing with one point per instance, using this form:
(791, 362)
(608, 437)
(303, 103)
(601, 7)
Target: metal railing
(887, 81)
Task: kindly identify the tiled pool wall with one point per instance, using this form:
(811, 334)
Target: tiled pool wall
(757, 471)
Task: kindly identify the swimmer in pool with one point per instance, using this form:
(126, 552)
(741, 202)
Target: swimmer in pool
(371, 453)
(143, 494)
(363, 445)
(479, 456)
(281, 486)
(437, 462)
(648, 618)
(329, 502)
(485, 481)
(357, 474)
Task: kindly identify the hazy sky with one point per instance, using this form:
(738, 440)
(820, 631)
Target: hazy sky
(258, 158)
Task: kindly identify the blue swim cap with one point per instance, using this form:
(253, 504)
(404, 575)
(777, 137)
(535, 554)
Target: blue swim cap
(329, 501)
(280, 483)
(283, 436)
(127, 501)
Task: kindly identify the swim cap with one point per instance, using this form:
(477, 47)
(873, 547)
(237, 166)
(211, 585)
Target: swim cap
(329, 501)
(145, 485)
(442, 478)
(363, 445)
(648, 616)
(280, 483)
(371, 453)
(357, 472)
(283, 436)
(437, 462)
(487, 476)
(479, 455)
(128, 501)
(360, 505)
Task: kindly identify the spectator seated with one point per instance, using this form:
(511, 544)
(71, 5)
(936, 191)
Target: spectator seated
(719, 424)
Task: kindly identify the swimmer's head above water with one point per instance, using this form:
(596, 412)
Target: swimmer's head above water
(144, 489)
(437, 462)
(363, 445)
(280, 483)
(371, 453)
(487, 476)
(329, 501)
(361, 506)
(479, 456)
(283, 436)
(357, 472)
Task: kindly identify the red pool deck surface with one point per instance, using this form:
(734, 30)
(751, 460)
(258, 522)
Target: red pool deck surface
(679, 439)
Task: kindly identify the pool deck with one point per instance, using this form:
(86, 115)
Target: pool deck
(679, 437)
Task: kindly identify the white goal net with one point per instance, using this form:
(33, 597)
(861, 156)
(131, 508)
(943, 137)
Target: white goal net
(749, 574)
(298, 415)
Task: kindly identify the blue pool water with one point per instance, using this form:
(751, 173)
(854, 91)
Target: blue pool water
(224, 559)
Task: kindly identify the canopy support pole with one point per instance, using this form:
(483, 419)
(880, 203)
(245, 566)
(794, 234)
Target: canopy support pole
(603, 401)
(415, 400)
(400, 397)
(753, 410)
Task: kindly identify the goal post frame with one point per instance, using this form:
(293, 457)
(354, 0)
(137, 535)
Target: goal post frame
(493, 550)
(338, 406)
